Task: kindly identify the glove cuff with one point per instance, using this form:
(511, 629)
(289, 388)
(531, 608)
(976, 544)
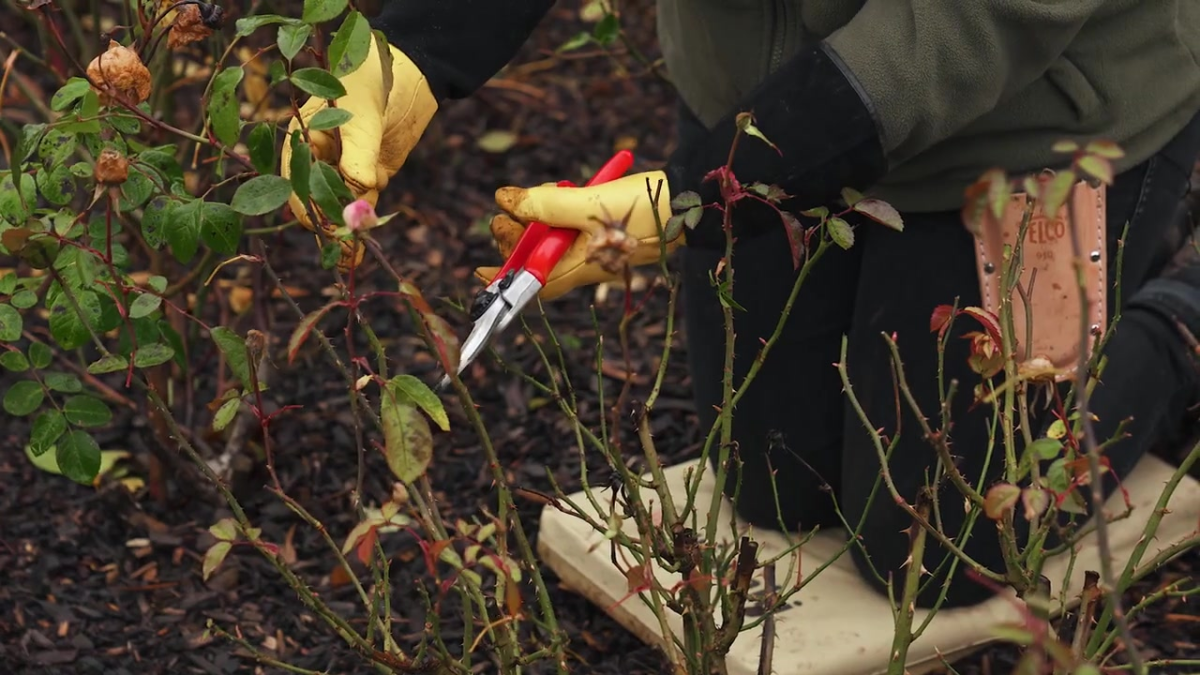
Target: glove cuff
(821, 119)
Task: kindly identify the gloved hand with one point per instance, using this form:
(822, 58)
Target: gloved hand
(376, 141)
(604, 244)
(824, 137)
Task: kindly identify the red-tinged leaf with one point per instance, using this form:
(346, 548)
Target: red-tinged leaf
(990, 322)
(795, 234)
(880, 212)
(512, 598)
(940, 319)
(449, 350)
(305, 327)
(338, 577)
(637, 579)
(1035, 500)
(1097, 167)
(359, 531)
(974, 210)
(215, 556)
(1104, 148)
(408, 440)
(1054, 195)
(1000, 499)
(432, 552)
(366, 545)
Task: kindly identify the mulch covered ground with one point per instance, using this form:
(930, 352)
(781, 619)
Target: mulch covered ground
(101, 581)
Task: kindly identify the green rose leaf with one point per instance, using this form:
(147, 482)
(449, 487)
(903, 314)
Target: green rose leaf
(67, 383)
(182, 231)
(157, 219)
(47, 428)
(291, 39)
(407, 437)
(11, 324)
(23, 398)
(40, 355)
(108, 364)
(261, 195)
(261, 143)
(317, 82)
(329, 118)
(24, 299)
(16, 206)
(220, 227)
(300, 165)
(67, 327)
(151, 355)
(223, 107)
(840, 232)
(86, 411)
(409, 389)
(78, 457)
(350, 45)
(320, 11)
(144, 305)
(14, 361)
(247, 25)
(234, 349)
(329, 192)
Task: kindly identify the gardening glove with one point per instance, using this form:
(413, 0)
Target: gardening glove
(376, 141)
(616, 224)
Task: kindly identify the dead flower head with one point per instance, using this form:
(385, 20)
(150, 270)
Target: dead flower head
(189, 26)
(120, 72)
(112, 168)
(611, 248)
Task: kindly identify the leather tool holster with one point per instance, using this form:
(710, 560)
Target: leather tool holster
(1047, 259)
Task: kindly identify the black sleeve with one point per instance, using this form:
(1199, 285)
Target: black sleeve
(459, 44)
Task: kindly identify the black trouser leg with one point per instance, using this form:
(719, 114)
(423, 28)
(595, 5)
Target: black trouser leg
(794, 419)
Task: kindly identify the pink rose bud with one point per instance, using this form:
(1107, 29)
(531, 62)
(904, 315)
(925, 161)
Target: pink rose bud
(360, 215)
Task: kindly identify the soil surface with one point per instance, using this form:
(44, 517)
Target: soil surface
(104, 581)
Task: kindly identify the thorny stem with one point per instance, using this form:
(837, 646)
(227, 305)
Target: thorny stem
(306, 595)
(891, 485)
(1093, 453)
(903, 635)
(1132, 570)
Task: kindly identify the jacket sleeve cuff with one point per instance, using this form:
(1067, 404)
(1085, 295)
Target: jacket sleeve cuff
(459, 45)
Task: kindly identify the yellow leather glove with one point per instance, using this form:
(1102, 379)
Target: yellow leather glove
(604, 245)
(376, 141)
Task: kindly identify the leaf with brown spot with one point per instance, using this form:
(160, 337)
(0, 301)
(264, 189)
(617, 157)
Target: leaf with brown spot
(408, 440)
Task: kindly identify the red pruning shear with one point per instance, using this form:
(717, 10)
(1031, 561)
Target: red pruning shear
(525, 272)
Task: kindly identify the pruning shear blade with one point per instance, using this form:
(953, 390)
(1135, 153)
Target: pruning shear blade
(525, 272)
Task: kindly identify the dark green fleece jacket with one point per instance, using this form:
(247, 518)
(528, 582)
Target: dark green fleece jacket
(959, 86)
(955, 86)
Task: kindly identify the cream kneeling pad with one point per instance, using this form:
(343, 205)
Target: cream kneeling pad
(837, 624)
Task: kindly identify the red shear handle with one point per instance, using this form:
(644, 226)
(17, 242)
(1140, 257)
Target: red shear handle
(557, 240)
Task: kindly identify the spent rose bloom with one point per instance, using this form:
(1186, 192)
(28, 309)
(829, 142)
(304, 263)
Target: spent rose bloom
(121, 72)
